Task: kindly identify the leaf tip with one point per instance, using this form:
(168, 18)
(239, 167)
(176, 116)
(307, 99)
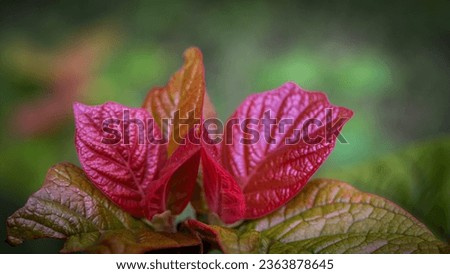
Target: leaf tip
(193, 52)
(79, 108)
(13, 241)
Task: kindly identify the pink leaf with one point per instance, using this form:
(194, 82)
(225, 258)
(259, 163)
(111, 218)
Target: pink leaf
(113, 146)
(269, 171)
(223, 195)
(173, 189)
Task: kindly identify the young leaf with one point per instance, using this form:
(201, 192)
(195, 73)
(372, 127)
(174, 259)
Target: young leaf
(280, 138)
(181, 99)
(173, 189)
(223, 195)
(69, 207)
(184, 102)
(114, 148)
(198, 200)
(328, 217)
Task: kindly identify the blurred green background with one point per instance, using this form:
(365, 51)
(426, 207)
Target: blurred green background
(389, 61)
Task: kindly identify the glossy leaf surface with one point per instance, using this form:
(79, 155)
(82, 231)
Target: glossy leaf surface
(274, 143)
(114, 148)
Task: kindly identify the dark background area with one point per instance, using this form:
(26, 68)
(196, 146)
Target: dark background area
(389, 61)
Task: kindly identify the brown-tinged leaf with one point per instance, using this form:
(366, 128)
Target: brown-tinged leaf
(145, 241)
(181, 100)
(69, 207)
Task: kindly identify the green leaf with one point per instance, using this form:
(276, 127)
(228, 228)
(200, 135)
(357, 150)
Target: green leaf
(327, 217)
(418, 179)
(69, 207)
(143, 241)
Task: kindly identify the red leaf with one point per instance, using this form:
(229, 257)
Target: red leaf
(223, 195)
(269, 171)
(174, 187)
(121, 165)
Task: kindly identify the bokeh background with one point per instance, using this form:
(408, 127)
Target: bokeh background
(389, 61)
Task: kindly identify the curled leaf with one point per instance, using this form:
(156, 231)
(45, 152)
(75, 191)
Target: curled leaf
(223, 195)
(173, 188)
(179, 108)
(181, 100)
